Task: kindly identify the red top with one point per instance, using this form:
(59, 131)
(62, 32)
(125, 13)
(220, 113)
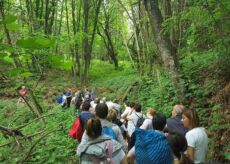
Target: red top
(23, 91)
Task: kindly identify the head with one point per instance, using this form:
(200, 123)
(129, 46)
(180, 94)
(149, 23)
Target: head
(93, 128)
(126, 103)
(178, 110)
(101, 110)
(151, 112)
(159, 121)
(97, 100)
(137, 107)
(132, 104)
(85, 106)
(178, 144)
(103, 100)
(112, 115)
(23, 87)
(190, 119)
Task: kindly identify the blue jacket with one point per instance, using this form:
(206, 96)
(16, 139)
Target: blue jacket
(174, 124)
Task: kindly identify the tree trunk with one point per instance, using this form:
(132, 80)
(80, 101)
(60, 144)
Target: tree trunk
(87, 45)
(13, 55)
(164, 45)
(110, 46)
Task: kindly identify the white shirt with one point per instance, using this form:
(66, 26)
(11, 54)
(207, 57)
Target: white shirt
(132, 121)
(126, 112)
(198, 139)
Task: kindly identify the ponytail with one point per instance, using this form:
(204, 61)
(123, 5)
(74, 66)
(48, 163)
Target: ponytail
(93, 128)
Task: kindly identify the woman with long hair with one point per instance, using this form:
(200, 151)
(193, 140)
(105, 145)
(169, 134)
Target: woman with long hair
(100, 148)
(196, 137)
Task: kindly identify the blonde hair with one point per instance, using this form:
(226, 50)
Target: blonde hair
(112, 115)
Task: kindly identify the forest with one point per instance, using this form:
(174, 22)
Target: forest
(155, 52)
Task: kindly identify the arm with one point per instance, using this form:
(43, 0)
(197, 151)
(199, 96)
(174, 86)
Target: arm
(131, 156)
(191, 152)
(120, 138)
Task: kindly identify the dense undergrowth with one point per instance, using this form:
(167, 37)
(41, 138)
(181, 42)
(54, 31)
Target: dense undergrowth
(52, 144)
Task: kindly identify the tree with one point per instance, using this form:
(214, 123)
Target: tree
(165, 47)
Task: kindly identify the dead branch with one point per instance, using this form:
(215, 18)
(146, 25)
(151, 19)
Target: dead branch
(10, 132)
(35, 143)
(22, 126)
(25, 137)
(128, 90)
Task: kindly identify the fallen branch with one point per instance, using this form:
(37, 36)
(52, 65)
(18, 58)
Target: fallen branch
(25, 137)
(35, 143)
(10, 132)
(128, 90)
(22, 126)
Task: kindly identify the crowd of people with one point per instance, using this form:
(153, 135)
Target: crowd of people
(113, 135)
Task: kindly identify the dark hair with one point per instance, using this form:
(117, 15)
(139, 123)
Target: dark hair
(127, 103)
(159, 121)
(93, 128)
(193, 117)
(85, 106)
(132, 104)
(178, 144)
(137, 107)
(101, 110)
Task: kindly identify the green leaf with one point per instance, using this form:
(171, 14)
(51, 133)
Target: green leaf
(35, 43)
(227, 155)
(26, 74)
(13, 26)
(14, 72)
(2, 55)
(10, 19)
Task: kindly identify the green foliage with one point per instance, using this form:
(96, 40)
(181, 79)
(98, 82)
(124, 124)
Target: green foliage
(55, 147)
(35, 43)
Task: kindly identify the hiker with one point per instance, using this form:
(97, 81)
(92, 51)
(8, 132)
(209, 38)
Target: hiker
(101, 113)
(68, 95)
(196, 136)
(112, 117)
(110, 105)
(117, 107)
(174, 123)
(133, 117)
(178, 144)
(147, 124)
(126, 111)
(77, 101)
(89, 94)
(23, 92)
(94, 103)
(151, 146)
(85, 114)
(101, 148)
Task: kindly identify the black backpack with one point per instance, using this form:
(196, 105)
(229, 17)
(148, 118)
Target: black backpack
(140, 121)
(78, 101)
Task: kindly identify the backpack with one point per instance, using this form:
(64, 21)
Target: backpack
(152, 147)
(108, 159)
(76, 130)
(140, 121)
(77, 101)
(59, 99)
(109, 132)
